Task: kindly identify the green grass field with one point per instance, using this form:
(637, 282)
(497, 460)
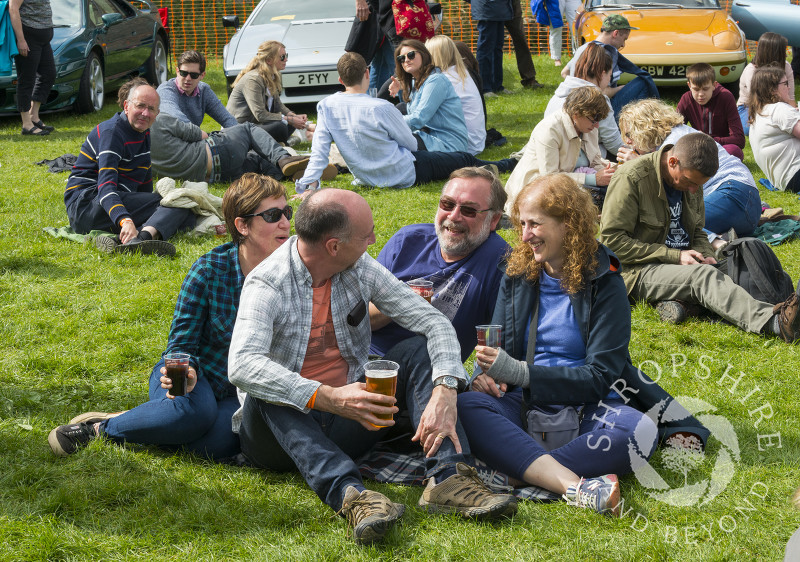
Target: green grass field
(80, 331)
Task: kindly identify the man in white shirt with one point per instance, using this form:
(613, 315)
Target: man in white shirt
(374, 140)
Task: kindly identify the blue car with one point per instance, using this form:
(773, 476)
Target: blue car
(759, 16)
(98, 45)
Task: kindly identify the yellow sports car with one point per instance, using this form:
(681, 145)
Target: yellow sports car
(671, 36)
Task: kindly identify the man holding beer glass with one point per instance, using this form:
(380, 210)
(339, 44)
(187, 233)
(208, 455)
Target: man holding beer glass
(298, 349)
(460, 253)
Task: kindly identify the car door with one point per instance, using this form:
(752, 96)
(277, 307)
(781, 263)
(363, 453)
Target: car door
(123, 39)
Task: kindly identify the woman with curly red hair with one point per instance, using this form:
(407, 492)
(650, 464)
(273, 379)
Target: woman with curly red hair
(559, 404)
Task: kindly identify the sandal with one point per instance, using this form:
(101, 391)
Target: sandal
(35, 130)
(44, 127)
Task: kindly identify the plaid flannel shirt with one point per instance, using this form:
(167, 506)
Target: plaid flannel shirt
(273, 325)
(205, 314)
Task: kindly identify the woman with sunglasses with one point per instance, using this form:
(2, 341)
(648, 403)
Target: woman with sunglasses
(256, 95)
(258, 218)
(775, 129)
(731, 198)
(563, 365)
(566, 141)
(433, 111)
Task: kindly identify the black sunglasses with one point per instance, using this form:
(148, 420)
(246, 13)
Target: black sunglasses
(273, 214)
(284, 56)
(411, 56)
(448, 205)
(185, 73)
(596, 119)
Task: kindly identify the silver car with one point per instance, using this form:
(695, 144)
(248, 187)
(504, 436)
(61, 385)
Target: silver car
(314, 33)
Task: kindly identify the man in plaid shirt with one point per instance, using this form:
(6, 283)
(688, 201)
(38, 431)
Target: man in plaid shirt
(301, 338)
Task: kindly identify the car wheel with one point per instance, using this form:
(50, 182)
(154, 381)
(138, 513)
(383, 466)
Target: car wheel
(157, 64)
(91, 91)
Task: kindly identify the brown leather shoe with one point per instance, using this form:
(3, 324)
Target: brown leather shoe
(290, 165)
(789, 319)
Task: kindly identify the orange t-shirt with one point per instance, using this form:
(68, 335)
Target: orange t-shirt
(323, 361)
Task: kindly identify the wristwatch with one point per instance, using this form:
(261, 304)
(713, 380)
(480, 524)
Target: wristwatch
(448, 381)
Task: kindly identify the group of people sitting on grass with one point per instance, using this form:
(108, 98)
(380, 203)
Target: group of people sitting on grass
(278, 327)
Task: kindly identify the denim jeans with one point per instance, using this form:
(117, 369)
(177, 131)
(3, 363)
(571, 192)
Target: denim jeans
(733, 205)
(433, 166)
(382, 66)
(323, 446)
(744, 116)
(494, 429)
(145, 209)
(489, 53)
(641, 87)
(197, 422)
(247, 148)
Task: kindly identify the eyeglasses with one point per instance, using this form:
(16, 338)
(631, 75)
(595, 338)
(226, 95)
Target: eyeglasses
(596, 119)
(284, 56)
(185, 73)
(411, 55)
(784, 83)
(272, 215)
(449, 205)
(141, 106)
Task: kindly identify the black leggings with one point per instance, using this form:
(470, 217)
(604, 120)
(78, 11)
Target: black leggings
(36, 73)
(794, 183)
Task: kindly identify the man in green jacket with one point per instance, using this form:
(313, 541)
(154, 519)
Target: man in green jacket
(653, 221)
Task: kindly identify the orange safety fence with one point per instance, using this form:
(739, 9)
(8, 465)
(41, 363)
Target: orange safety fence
(197, 24)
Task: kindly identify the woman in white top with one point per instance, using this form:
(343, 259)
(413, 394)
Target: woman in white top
(771, 50)
(775, 128)
(446, 56)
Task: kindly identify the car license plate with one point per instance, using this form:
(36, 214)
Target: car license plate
(666, 71)
(302, 79)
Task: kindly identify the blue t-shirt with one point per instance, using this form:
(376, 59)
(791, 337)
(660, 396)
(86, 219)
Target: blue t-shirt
(465, 291)
(676, 234)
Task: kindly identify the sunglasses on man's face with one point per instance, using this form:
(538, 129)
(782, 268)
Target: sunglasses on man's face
(185, 73)
(272, 215)
(448, 205)
(411, 55)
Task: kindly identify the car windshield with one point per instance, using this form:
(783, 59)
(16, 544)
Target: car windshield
(66, 13)
(296, 10)
(656, 4)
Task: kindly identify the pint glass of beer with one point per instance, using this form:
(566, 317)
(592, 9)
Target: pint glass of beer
(381, 378)
(177, 365)
(422, 287)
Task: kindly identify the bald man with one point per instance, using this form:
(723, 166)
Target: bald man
(301, 339)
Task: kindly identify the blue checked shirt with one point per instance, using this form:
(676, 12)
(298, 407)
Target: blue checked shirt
(205, 314)
(274, 323)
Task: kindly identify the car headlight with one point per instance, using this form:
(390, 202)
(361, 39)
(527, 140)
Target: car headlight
(727, 40)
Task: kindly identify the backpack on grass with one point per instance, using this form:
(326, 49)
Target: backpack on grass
(754, 266)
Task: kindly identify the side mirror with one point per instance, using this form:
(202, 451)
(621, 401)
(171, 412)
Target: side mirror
(111, 19)
(230, 21)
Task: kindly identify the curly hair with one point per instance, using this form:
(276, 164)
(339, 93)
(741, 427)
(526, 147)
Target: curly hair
(764, 89)
(586, 101)
(264, 63)
(404, 77)
(560, 197)
(645, 124)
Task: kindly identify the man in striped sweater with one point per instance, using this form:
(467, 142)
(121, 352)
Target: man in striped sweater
(111, 184)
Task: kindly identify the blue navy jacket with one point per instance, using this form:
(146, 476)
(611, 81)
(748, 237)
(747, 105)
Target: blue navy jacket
(602, 312)
(492, 10)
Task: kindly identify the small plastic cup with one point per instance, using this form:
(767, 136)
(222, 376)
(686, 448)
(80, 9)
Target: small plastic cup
(381, 378)
(422, 287)
(489, 334)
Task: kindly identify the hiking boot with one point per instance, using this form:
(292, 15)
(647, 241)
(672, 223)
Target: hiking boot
(788, 318)
(106, 244)
(145, 247)
(66, 439)
(289, 165)
(371, 514)
(676, 312)
(466, 494)
(600, 494)
(94, 417)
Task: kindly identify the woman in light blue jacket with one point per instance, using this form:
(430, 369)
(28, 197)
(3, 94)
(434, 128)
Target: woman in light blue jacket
(433, 111)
